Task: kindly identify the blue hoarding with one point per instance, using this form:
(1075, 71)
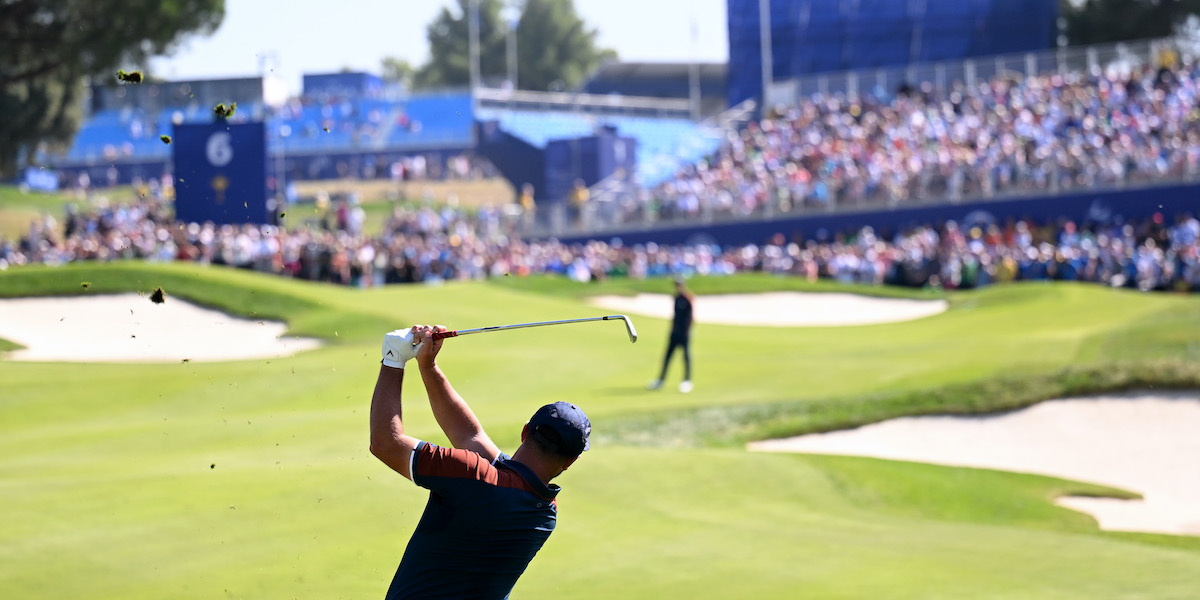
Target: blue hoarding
(821, 36)
(40, 179)
(1100, 206)
(220, 173)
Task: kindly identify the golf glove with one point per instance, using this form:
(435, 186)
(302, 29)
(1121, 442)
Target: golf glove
(398, 348)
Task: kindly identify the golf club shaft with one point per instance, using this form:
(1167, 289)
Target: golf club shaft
(460, 332)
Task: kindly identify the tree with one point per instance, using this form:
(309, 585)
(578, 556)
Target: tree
(397, 70)
(449, 46)
(48, 49)
(1103, 21)
(555, 48)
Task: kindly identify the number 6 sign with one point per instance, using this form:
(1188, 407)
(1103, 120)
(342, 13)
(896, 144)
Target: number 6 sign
(220, 173)
(219, 149)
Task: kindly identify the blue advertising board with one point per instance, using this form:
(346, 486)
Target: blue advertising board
(590, 159)
(40, 179)
(1099, 206)
(220, 173)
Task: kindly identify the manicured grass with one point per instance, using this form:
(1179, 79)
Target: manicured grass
(746, 283)
(469, 193)
(18, 209)
(252, 479)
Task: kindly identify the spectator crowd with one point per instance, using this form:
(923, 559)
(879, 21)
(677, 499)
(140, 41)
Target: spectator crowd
(1005, 135)
(430, 244)
(1034, 135)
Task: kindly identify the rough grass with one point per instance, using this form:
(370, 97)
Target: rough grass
(252, 479)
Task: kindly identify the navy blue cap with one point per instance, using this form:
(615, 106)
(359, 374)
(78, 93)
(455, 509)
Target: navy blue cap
(562, 428)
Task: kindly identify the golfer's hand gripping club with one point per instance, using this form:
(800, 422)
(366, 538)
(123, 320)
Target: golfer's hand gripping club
(399, 347)
(441, 335)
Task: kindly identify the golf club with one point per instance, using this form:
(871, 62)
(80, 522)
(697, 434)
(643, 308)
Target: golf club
(628, 326)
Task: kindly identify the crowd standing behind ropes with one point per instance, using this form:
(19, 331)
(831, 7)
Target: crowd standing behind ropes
(1005, 135)
(1037, 134)
(431, 244)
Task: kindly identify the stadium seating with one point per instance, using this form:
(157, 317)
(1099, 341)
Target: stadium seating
(663, 144)
(420, 122)
(336, 125)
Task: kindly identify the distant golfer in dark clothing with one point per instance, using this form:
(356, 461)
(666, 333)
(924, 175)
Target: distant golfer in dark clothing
(681, 335)
(488, 514)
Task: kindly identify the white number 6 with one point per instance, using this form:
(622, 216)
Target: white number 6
(219, 149)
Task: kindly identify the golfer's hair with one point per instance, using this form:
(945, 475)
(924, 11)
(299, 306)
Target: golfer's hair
(548, 440)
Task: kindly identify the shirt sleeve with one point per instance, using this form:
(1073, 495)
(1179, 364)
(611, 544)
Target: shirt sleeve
(438, 469)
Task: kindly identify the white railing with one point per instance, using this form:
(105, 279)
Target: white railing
(970, 72)
(580, 102)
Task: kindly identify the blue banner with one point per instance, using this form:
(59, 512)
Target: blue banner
(220, 173)
(41, 180)
(1163, 203)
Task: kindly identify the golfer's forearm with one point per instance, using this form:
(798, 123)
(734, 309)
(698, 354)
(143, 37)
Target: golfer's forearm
(387, 422)
(451, 411)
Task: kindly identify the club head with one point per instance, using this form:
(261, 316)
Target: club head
(628, 326)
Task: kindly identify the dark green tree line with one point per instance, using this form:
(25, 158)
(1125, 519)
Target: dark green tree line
(48, 49)
(1104, 21)
(555, 48)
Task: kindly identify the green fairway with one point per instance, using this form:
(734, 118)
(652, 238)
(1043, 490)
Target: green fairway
(252, 479)
(19, 208)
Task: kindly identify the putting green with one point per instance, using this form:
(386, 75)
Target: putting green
(252, 479)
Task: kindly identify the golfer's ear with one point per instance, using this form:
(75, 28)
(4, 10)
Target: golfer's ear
(525, 432)
(569, 462)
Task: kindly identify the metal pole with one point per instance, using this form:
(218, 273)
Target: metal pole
(764, 36)
(514, 19)
(694, 74)
(473, 42)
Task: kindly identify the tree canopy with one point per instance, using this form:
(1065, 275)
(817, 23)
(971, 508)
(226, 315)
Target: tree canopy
(49, 48)
(555, 48)
(1103, 21)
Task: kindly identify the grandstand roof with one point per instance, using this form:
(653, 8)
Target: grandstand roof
(662, 80)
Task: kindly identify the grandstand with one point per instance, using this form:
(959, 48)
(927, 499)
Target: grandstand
(819, 153)
(666, 136)
(347, 124)
(1032, 139)
(1100, 136)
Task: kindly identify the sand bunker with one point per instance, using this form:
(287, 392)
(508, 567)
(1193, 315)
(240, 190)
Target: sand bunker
(781, 309)
(130, 328)
(1145, 443)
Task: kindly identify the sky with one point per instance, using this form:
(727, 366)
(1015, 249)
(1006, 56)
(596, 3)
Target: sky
(294, 37)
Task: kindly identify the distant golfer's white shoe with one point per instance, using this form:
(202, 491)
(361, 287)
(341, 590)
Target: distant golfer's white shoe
(685, 386)
(654, 385)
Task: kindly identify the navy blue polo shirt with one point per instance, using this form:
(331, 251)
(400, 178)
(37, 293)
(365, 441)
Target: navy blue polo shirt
(482, 525)
(681, 324)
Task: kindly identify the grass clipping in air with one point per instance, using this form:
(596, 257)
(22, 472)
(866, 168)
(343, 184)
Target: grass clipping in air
(224, 112)
(133, 77)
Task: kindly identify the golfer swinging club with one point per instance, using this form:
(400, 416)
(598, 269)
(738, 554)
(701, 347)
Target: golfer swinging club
(488, 514)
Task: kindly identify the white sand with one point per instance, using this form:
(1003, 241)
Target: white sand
(780, 309)
(1145, 443)
(131, 328)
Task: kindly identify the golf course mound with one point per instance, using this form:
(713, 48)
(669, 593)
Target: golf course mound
(782, 309)
(1141, 442)
(130, 328)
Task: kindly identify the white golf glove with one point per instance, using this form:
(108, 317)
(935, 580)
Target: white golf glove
(398, 348)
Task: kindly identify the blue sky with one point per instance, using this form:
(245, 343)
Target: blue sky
(299, 36)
